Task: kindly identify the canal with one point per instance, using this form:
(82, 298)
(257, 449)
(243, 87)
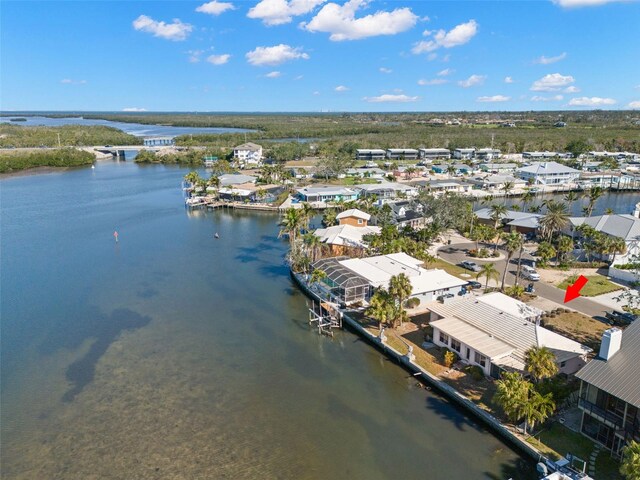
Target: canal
(171, 354)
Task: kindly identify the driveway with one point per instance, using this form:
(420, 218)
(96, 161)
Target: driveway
(457, 253)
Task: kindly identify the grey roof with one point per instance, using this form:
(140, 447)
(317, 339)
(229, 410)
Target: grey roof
(253, 147)
(623, 226)
(485, 214)
(546, 168)
(620, 375)
(235, 179)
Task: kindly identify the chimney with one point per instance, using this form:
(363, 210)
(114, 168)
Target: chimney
(611, 341)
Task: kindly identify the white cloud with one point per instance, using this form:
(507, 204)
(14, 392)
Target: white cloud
(435, 81)
(341, 22)
(445, 72)
(385, 70)
(583, 3)
(548, 60)
(218, 59)
(391, 98)
(538, 98)
(215, 7)
(275, 55)
(175, 31)
(508, 80)
(299, 77)
(278, 12)
(274, 74)
(552, 82)
(69, 81)
(494, 98)
(591, 101)
(635, 105)
(134, 109)
(571, 89)
(194, 55)
(472, 81)
(341, 88)
(459, 35)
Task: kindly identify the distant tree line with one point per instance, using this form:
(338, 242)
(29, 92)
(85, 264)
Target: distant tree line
(69, 135)
(65, 157)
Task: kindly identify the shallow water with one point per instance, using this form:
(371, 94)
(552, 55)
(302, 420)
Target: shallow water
(174, 355)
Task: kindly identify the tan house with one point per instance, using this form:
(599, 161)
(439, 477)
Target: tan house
(346, 237)
(354, 217)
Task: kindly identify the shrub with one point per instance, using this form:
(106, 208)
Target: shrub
(475, 372)
(412, 302)
(514, 291)
(449, 358)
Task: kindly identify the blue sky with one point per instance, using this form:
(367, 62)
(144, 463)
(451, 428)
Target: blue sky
(315, 55)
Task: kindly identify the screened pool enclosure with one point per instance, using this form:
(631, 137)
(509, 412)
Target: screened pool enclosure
(343, 285)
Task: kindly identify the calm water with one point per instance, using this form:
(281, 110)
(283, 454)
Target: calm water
(137, 129)
(174, 355)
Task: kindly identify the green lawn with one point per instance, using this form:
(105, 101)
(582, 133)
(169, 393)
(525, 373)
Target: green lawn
(597, 285)
(452, 269)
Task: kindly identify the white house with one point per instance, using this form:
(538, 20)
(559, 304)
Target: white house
(386, 190)
(352, 227)
(484, 154)
(494, 332)
(464, 153)
(326, 193)
(548, 173)
(370, 154)
(248, 154)
(430, 154)
(402, 153)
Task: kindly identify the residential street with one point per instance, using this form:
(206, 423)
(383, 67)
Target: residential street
(456, 253)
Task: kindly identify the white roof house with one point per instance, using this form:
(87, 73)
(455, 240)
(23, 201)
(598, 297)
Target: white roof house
(345, 235)
(548, 173)
(500, 330)
(425, 283)
(236, 179)
(354, 212)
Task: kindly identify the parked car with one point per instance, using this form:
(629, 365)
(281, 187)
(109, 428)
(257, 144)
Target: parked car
(620, 318)
(474, 267)
(473, 284)
(529, 273)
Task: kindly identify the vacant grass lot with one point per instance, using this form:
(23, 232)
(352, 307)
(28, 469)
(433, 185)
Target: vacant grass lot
(578, 327)
(597, 285)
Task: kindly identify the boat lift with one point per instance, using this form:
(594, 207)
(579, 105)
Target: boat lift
(326, 316)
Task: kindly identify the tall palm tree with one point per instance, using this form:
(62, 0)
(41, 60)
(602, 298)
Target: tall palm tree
(613, 246)
(497, 213)
(488, 272)
(306, 213)
(400, 288)
(512, 242)
(554, 220)
(540, 362)
(381, 307)
(571, 197)
(537, 409)
(527, 198)
(312, 243)
(291, 224)
(506, 188)
(563, 247)
(512, 391)
(630, 465)
(594, 194)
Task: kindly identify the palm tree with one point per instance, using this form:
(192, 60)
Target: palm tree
(488, 272)
(554, 220)
(497, 213)
(571, 197)
(317, 276)
(564, 246)
(506, 188)
(594, 194)
(329, 218)
(291, 224)
(540, 362)
(313, 244)
(614, 246)
(381, 307)
(512, 391)
(630, 465)
(306, 213)
(537, 409)
(546, 252)
(526, 199)
(400, 288)
(192, 177)
(512, 242)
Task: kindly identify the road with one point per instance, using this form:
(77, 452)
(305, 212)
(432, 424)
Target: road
(457, 253)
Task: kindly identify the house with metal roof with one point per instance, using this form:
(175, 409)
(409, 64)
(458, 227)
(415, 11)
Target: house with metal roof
(523, 222)
(235, 179)
(386, 190)
(464, 153)
(326, 193)
(495, 331)
(370, 154)
(610, 390)
(402, 154)
(548, 173)
(248, 154)
(347, 237)
(430, 154)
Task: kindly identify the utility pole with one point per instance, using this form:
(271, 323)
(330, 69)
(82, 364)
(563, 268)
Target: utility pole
(59, 144)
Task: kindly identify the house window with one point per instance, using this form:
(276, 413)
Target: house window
(562, 364)
(359, 221)
(444, 338)
(455, 344)
(481, 360)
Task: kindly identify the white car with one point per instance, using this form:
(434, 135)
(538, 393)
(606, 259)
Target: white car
(529, 273)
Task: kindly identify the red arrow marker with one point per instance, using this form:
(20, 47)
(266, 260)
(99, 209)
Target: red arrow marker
(573, 291)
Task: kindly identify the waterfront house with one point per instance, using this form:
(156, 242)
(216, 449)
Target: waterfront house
(610, 390)
(495, 182)
(544, 155)
(523, 222)
(250, 192)
(370, 154)
(430, 154)
(494, 331)
(440, 187)
(235, 179)
(402, 154)
(248, 154)
(408, 214)
(326, 193)
(370, 172)
(464, 153)
(354, 280)
(386, 190)
(498, 167)
(597, 179)
(456, 168)
(548, 173)
(347, 237)
(622, 226)
(487, 154)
